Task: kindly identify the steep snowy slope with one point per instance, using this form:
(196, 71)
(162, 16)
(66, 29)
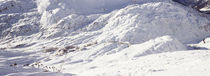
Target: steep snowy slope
(138, 23)
(102, 37)
(18, 18)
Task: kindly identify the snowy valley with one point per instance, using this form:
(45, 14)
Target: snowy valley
(104, 38)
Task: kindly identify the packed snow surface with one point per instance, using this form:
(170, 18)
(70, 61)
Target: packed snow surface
(103, 37)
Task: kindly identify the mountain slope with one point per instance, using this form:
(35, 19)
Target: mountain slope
(121, 37)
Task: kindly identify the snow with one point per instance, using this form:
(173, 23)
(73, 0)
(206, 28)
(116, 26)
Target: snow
(22, 60)
(103, 37)
(145, 21)
(53, 11)
(183, 63)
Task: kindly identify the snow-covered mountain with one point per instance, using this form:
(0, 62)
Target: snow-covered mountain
(104, 37)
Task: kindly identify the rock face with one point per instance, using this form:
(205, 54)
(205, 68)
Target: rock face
(201, 5)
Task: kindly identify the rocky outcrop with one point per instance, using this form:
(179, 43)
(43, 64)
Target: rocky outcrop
(200, 5)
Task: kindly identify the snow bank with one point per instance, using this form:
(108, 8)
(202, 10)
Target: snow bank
(154, 46)
(134, 23)
(106, 33)
(102, 55)
(139, 23)
(53, 11)
(133, 32)
(80, 6)
(180, 63)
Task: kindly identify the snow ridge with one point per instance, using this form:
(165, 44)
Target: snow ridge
(101, 37)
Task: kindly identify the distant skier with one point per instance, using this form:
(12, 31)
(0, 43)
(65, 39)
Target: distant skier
(204, 41)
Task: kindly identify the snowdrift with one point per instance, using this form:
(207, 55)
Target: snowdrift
(101, 34)
(134, 23)
(131, 32)
(54, 11)
(139, 23)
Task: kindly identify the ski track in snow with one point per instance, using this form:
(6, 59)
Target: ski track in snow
(103, 38)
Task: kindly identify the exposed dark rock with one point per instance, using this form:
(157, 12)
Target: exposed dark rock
(196, 4)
